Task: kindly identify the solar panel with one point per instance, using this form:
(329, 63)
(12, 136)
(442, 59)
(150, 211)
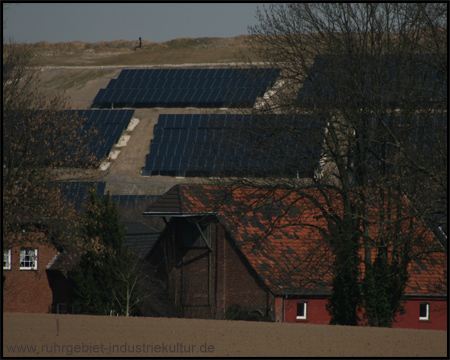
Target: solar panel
(186, 87)
(108, 124)
(76, 191)
(394, 77)
(190, 145)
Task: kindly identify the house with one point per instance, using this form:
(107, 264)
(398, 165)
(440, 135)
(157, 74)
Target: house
(215, 253)
(26, 286)
(37, 274)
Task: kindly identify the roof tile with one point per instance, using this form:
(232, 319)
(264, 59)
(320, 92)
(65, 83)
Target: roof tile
(292, 255)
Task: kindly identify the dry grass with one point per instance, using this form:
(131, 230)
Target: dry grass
(121, 52)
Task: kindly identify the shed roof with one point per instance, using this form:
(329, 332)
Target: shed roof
(140, 237)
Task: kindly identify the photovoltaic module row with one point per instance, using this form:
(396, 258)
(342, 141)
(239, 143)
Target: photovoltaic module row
(193, 121)
(131, 74)
(134, 201)
(90, 137)
(216, 97)
(108, 125)
(76, 192)
(188, 83)
(186, 88)
(388, 78)
(198, 145)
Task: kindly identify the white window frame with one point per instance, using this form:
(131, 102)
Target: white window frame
(7, 259)
(427, 307)
(305, 310)
(24, 252)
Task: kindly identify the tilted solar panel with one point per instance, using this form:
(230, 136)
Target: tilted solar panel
(190, 145)
(108, 125)
(76, 191)
(186, 87)
(388, 78)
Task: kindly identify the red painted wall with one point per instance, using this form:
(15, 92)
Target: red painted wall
(317, 313)
(410, 319)
(28, 290)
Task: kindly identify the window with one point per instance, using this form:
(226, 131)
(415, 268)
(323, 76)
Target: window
(424, 311)
(28, 259)
(7, 259)
(302, 308)
(61, 308)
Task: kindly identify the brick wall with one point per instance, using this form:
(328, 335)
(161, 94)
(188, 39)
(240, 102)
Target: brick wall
(28, 290)
(241, 283)
(204, 283)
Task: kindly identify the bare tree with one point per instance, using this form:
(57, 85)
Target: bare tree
(136, 283)
(360, 110)
(39, 143)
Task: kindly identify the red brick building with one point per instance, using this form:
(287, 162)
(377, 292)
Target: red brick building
(37, 274)
(26, 285)
(215, 253)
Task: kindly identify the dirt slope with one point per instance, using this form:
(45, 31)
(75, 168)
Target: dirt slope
(119, 336)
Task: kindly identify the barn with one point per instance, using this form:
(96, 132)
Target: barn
(215, 254)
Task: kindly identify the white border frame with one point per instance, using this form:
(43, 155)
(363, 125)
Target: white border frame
(35, 259)
(427, 316)
(305, 310)
(7, 251)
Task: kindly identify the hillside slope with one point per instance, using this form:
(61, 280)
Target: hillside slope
(122, 52)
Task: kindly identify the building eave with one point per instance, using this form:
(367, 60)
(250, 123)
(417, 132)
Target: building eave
(427, 295)
(178, 214)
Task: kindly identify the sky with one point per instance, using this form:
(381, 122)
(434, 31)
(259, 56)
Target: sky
(154, 22)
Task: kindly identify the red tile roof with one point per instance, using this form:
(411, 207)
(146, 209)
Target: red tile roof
(283, 243)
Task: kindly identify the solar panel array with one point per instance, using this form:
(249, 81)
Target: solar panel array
(76, 191)
(186, 88)
(197, 145)
(425, 132)
(109, 126)
(134, 201)
(389, 78)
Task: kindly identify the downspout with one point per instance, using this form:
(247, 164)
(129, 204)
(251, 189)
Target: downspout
(209, 278)
(215, 273)
(284, 308)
